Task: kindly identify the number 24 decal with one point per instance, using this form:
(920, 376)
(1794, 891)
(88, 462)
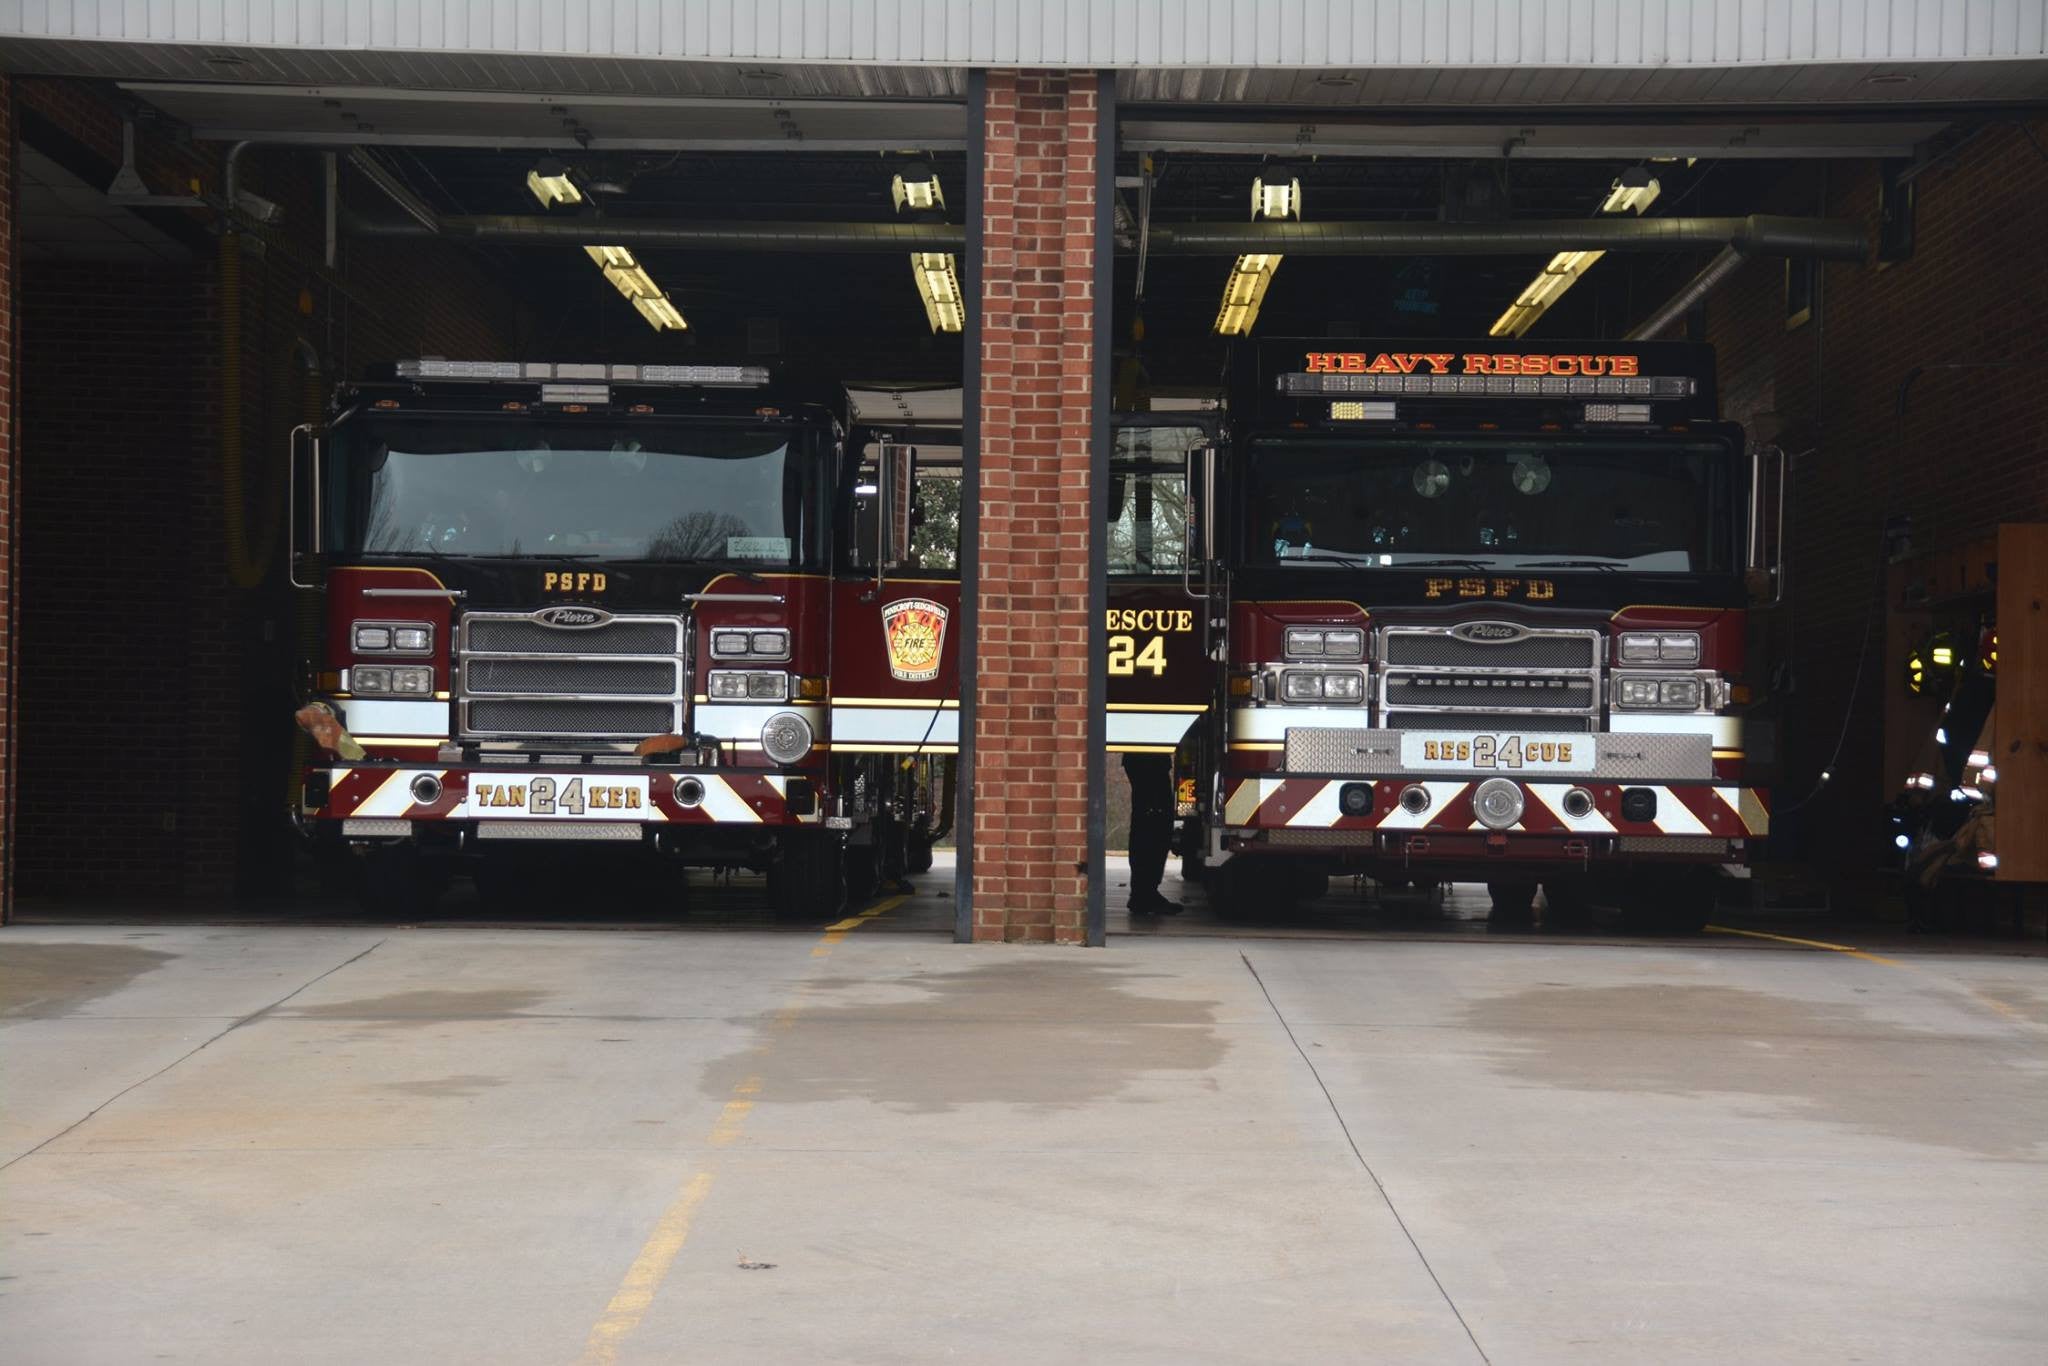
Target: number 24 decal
(1126, 658)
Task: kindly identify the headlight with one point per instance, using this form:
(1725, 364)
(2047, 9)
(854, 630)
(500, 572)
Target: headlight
(379, 637)
(1348, 643)
(1658, 694)
(1303, 643)
(786, 738)
(768, 687)
(372, 638)
(385, 679)
(728, 684)
(1320, 685)
(412, 640)
(741, 685)
(736, 644)
(1650, 647)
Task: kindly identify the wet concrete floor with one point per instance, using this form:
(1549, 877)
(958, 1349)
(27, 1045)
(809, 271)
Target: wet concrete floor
(466, 1142)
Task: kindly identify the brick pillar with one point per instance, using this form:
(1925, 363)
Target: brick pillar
(9, 503)
(1030, 835)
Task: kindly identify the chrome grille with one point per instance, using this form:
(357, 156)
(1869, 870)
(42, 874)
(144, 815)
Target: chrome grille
(1532, 680)
(606, 677)
(1433, 648)
(522, 679)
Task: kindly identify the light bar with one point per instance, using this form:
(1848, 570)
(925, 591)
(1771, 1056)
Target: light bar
(551, 185)
(1566, 267)
(1244, 292)
(624, 271)
(938, 284)
(1493, 386)
(1356, 410)
(732, 376)
(1617, 412)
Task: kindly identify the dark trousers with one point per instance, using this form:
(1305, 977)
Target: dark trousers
(1151, 778)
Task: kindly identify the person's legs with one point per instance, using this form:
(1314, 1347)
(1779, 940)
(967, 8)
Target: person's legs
(1151, 778)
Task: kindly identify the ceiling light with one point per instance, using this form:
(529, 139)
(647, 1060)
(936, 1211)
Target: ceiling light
(1276, 194)
(632, 280)
(917, 188)
(938, 284)
(1244, 292)
(1633, 193)
(551, 184)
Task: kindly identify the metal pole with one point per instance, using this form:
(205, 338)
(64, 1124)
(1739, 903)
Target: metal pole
(1102, 264)
(970, 507)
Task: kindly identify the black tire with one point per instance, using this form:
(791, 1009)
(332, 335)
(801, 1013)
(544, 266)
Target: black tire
(1679, 902)
(1310, 881)
(862, 872)
(1514, 905)
(808, 881)
(397, 880)
(917, 854)
(1567, 903)
(1249, 886)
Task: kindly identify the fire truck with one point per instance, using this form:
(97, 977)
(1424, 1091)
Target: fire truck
(568, 605)
(1480, 614)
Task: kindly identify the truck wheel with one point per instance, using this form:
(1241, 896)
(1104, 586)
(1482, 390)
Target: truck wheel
(1679, 902)
(1567, 904)
(808, 881)
(1310, 881)
(863, 873)
(917, 853)
(398, 881)
(1247, 886)
(1514, 905)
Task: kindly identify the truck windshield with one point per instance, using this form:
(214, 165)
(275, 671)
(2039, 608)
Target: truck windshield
(509, 488)
(1645, 505)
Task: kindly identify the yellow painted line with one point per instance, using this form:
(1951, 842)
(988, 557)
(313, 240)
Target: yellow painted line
(636, 1292)
(1849, 949)
(643, 1279)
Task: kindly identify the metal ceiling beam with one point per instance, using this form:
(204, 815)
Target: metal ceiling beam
(1834, 239)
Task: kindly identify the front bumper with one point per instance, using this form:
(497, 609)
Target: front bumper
(1700, 821)
(381, 799)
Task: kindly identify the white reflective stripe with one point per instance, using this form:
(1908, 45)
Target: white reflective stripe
(1756, 817)
(1674, 817)
(393, 796)
(1725, 731)
(1321, 810)
(1273, 723)
(1148, 727)
(907, 726)
(1552, 796)
(779, 783)
(743, 720)
(1439, 792)
(721, 803)
(361, 716)
(1244, 803)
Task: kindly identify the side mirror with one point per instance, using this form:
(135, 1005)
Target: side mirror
(1200, 522)
(304, 510)
(1764, 562)
(896, 479)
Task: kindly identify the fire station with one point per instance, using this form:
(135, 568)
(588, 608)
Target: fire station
(1423, 489)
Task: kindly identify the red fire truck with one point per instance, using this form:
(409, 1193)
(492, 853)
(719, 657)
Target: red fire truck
(1485, 621)
(569, 604)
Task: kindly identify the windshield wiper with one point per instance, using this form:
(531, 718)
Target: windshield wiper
(1572, 564)
(1443, 564)
(1353, 560)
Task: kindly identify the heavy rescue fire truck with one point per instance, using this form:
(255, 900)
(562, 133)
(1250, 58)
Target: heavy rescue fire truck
(1478, 614)
(564, 604)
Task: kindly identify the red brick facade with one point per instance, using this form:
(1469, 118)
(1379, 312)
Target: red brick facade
(1970, 452)
(1037, 361)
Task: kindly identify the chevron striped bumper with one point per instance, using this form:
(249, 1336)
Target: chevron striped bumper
(601, 798)
(1704, 818)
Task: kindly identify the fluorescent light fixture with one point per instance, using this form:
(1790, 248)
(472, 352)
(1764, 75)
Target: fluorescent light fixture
(632, 280)
(1276, 194)
(551, 185)
(1244, 292)
(1633, 193)
(938, 284)
(917, 188)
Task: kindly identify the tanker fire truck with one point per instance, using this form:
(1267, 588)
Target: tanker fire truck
(1484, 619)
(565, 605)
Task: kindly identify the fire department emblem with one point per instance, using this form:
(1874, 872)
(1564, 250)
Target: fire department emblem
(915, 631)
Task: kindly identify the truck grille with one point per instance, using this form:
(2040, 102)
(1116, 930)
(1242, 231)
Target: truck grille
(1542, 680)
(520, 678)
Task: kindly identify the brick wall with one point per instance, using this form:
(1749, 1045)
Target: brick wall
(148, 669)
(1971, 451)
(1038, 280)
